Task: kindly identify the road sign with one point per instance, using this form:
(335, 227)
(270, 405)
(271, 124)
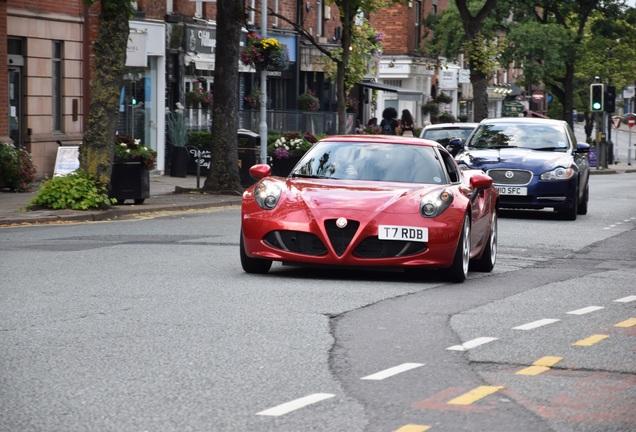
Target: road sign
(616, 121)
(631, 121)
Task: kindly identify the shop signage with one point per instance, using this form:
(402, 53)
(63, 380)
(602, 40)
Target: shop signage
(201, 39)
(513, 107)
(537, 96)
(448, 79)
(136, 53)
(464, 76)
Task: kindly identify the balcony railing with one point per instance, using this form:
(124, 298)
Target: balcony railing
(278, 121)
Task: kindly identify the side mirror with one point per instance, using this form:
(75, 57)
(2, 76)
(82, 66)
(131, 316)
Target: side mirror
(582, 148)
(260, 171)
(480, 181)
(454, 146)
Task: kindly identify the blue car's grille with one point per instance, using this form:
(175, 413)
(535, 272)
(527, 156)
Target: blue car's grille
(510, 176)
(372, 247)
(296, 241)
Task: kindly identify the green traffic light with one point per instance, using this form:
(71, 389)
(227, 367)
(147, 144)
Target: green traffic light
(596, 106)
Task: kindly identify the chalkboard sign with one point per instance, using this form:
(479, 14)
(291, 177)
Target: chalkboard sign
(67, 160)
(200, 158)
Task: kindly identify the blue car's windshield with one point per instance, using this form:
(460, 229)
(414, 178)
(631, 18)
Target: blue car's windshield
(371, 161)
(536, 137)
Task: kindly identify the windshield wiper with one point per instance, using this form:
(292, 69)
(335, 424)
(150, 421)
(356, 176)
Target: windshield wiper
(297, 175)
(549, 148)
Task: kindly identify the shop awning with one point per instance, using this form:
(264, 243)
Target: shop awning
(201, 61)
(403, 94)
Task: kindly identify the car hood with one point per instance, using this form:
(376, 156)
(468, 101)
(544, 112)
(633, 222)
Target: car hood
(533, 160)
(372, 197)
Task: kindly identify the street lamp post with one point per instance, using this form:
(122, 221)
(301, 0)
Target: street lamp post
(262, 127)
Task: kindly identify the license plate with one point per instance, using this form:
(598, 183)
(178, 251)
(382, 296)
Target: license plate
(393, 232)
(512, 190)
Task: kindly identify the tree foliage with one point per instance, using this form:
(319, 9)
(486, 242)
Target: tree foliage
(109, 50)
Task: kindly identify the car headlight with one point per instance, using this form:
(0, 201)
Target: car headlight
(434, 203)
(559, 173)
(267, 194)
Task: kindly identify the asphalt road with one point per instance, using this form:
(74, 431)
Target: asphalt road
(150, 324)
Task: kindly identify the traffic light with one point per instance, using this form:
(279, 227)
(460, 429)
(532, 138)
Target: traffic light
(610, 99)
(597, 92)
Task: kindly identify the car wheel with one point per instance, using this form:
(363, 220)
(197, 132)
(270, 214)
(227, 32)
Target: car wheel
(459, 270)
(253, 265)
(488, 258)
(570, 212)
(582, 210)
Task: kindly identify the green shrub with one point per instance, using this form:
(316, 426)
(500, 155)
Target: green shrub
(17, 171)
(75, 191)
(200, 140)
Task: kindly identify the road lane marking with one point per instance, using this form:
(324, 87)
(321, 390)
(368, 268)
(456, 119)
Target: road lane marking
(413, 428)
(295, 404)
(536, 324)
(474, 395)
(627, 323)
(589, 341)
(540, 366)
(585, 310)
(472, 344)
(627, 299)
(392, 371)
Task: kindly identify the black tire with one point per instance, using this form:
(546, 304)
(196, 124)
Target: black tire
(570, 213)
(582, 210)
(459, 270)
(253, 265)
(489, 257)
(139, 200)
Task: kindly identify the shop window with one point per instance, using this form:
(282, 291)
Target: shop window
(57, 98)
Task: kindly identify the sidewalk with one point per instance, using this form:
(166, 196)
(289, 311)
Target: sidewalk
(166, 194)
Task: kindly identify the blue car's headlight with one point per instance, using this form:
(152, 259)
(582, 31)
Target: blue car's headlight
(267, 194)
(559, 173)
(434, 203)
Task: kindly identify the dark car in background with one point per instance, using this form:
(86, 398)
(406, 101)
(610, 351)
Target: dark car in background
(444, 133)
(535, 163)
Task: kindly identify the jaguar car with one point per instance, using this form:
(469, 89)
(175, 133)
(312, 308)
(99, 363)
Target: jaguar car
(371, 201)
(535, 163)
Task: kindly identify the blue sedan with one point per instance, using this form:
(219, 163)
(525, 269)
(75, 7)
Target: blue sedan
(535, 163)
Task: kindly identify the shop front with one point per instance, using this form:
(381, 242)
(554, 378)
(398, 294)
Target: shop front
(142, 102)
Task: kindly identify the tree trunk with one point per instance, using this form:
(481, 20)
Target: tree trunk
(224, 172)
(480, 95)
(109, 50)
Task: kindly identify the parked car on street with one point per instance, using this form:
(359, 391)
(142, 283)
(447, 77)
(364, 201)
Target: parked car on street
(535, 163)
(444, 133)
(371, 201)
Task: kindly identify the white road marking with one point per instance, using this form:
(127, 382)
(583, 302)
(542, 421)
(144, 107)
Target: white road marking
(627, 299)
(536, 324)
(472, 344)
(392, 371)
(295, 404)
(585, 310)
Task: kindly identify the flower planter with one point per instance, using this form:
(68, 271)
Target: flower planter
(130, 180)
(283, 166)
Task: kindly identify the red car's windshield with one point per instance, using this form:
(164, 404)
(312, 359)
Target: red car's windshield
(371, 161)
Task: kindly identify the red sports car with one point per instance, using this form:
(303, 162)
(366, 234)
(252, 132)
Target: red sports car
(372, 201)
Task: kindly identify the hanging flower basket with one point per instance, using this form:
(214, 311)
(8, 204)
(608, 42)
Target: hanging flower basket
(267, 53)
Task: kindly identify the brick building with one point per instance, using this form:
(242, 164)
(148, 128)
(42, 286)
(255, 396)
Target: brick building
(46, 45)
